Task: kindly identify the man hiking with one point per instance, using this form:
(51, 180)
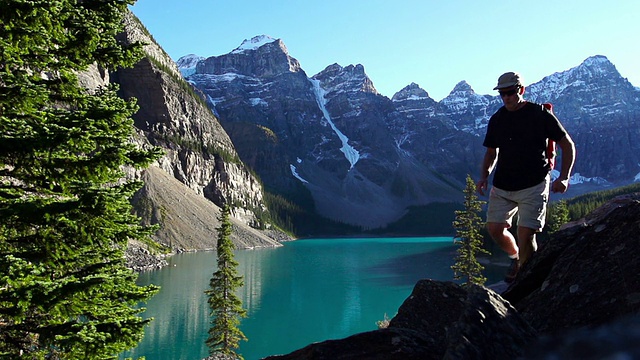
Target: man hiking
(516, 141)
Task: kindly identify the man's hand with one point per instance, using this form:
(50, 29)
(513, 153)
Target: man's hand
(560, 186)
(481, 186)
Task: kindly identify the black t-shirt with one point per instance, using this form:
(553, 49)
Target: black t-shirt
(521, 139)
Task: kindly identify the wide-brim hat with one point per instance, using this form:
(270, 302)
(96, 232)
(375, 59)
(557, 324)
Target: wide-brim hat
(508, 79)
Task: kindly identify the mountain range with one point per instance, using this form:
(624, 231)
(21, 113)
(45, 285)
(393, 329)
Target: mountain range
(251, 129)
(365, 159)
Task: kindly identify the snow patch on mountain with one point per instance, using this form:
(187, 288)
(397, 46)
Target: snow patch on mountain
(254, 43)
(578, 77)
(258, 101)
(187, 64)
(294, 172)
(579, 179)
(349, 151)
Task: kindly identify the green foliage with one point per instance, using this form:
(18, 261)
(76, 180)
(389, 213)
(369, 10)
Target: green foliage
(468, 225)
(572, 209)
(557, 215)
(582, 205)
(226, 307)
(295, 213)
(65, 216)
(200, 147)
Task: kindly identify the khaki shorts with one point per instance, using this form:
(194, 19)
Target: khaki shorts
(530, 204)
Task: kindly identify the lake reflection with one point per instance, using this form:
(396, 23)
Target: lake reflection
(306, 291)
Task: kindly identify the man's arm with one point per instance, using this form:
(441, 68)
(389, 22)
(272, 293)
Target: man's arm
(568, 148)
(488, 162)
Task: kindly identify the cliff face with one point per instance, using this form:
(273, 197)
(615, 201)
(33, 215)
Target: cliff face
(576, 298)
(200, 170)
(198, 152)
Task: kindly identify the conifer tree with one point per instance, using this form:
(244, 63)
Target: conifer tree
(226, 307)
(65, 218)
(558, 215)
(468, 225)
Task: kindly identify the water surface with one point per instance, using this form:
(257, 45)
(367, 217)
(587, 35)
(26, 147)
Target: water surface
(306, 291)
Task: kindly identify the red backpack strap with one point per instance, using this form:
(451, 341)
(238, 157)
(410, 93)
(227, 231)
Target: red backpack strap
(551, 145)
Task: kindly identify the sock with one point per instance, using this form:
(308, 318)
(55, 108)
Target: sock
(514, 256)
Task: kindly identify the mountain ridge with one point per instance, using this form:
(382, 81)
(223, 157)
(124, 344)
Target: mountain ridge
(347, 144)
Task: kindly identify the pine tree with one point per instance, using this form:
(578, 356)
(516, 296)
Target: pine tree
(468, 225)
(558, 215)
(226, 307)
(65, 216)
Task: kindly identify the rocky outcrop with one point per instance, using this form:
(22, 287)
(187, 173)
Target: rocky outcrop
(586, 274)
(577, 293)
(139, 258)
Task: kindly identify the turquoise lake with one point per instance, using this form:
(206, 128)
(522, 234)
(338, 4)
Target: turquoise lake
(305, 291)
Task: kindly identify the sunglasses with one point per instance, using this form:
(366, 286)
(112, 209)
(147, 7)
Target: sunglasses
(508, 93)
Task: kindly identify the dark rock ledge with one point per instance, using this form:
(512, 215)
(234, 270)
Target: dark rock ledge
(577, 298)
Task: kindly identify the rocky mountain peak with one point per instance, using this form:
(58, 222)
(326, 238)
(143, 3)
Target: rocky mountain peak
(261, 57)
(462, 88)
(348, 79)
(411, 92)
(596, 75)
(598, 65)
(254, 43)
(320, 122)
(468, 109)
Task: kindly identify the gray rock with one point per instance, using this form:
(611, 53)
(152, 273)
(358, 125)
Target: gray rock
(585, 274)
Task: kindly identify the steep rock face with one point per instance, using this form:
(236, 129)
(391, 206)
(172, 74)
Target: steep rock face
(198, 151)
(239, 87)
(432, 138)
(580, 288)
(271, 61)
(384, 178)
(467, 110)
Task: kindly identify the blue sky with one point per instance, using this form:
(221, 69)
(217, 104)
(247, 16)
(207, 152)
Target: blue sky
(434, 43)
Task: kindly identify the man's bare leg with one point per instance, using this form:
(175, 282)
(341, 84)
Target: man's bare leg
(527, 243)
(500, 234)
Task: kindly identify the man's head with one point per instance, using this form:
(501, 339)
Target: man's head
(511, 90)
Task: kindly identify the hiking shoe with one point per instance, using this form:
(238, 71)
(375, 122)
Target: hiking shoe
(513, 271)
